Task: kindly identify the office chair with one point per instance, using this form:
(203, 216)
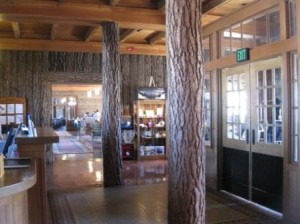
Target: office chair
(9, 141)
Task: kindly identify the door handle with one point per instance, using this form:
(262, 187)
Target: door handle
(253, 136)
(247, 136)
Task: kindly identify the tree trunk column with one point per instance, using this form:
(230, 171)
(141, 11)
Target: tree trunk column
(111, 129)
(186, 203)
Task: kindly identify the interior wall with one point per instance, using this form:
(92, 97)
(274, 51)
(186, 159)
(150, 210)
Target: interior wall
(84, 103)
(30, 74)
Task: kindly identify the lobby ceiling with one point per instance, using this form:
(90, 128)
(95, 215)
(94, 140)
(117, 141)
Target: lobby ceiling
(75, 25)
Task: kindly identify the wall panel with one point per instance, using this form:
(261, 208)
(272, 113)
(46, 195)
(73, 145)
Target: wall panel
(30, 74)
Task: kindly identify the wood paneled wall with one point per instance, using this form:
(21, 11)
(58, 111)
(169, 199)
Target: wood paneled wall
(30, 74)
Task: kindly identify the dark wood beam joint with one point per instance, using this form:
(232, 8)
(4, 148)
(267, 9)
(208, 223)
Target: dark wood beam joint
(124, 35)
(161, 4)
(212, 4)
(16, 29)
(89, 34)
(53, 31)
(157, 37)
(113, 2)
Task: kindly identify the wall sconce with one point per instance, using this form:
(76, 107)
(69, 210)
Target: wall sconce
(89, 94)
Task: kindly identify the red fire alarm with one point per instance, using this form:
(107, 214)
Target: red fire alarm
(130, 48)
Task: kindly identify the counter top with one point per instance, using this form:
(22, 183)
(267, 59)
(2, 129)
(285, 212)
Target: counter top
(16, 180)
(44, 135)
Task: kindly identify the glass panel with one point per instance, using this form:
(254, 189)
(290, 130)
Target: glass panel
(277, 76)
(260, 81)
(229, 99)
(269, 134)
(269, 96)
(236, 37)
(248, 34)
(270, 115)
(274, 26)
(260, 133)
(207, 135)
(230, 115)
(261, 30)
(236, 134)
(292, 18)
(243, 131)
(269, 76)
(235, 82)
(225, 41)
(261, 97)
(242, 81)
(278, 96)
(206, 48)
(229, 131)
(260, 111)
(229, 83)
(236, 115)
(278, 135)
(243, 106)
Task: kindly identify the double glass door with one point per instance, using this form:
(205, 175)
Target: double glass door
(252, 132)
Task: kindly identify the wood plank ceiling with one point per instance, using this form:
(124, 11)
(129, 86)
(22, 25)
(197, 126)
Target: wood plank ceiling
(74, 25)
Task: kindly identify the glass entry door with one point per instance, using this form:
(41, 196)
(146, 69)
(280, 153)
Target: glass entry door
(252, 132)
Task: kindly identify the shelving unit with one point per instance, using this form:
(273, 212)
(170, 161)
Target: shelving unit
(128, 134)
(150, 126)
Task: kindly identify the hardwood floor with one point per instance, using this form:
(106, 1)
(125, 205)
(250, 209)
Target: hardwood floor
(76, 194)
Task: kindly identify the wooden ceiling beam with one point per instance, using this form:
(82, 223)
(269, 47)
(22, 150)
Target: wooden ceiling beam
(53, 31)
(75, 46)
(89, 34)
(113, 2)
(124, 35)
(212, 4)
(16, 29)
(74, 14)
(157, 37)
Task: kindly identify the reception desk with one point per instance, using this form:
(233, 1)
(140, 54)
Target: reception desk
(14, 185)
(35, 147)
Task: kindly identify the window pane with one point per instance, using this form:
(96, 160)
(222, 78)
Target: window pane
(225, 42)
(269, 77)
(274, 26)
(292, 18)
(248, 35)
(260, 81)
(236, 37)
(206, 49)
(261, 30)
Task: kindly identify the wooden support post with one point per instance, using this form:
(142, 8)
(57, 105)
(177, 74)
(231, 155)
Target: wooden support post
(111, 129)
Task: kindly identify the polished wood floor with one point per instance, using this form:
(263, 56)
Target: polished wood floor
(76, 194)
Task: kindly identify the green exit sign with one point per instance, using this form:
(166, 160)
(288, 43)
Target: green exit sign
(243, 54)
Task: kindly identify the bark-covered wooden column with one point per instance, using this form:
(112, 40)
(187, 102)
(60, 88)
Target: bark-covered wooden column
(186, 195)
(111, 129)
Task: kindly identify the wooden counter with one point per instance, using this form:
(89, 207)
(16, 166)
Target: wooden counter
(13, 194)
(35, 147)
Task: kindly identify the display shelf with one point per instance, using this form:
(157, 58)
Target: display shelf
(150, 126)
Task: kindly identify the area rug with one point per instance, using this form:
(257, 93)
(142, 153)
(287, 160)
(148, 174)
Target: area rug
(70, 145)
(120, 205)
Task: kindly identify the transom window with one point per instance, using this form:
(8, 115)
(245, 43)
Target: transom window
(258, 30)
